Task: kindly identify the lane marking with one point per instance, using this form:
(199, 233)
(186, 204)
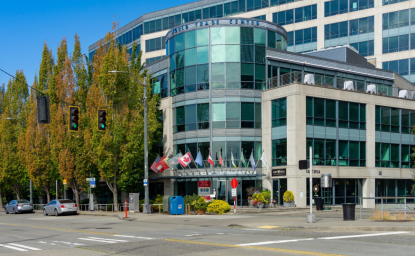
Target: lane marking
(366, 235)
(276, 242)
(255, 247)
(114, 240)
(253, 229)
(14, 248)
(25, 247)
(134, 237)
(269, 227)
(64, 229)
(98, 240)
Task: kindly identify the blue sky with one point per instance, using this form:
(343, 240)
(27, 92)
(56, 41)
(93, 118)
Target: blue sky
(27, 25)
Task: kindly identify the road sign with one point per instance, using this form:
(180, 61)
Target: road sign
(233, 192)
(87, 179)
(92, 182)
(234, 183)
(64, 181)
(145, 182)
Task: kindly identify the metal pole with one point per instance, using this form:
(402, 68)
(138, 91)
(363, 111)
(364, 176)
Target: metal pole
(64, 191)
(382, 207)
(360, 199)
(31, 192)
(311, 218)
(56, 189)
(405, 207)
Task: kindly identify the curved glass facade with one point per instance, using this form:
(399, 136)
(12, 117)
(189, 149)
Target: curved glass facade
(220, 57)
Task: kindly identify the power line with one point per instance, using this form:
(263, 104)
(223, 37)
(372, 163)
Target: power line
(41, 93)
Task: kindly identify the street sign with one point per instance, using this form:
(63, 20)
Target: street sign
(87, 179)
(145, 182)
(64, 181)
(92, 182)
(233, 192)
(234, 183)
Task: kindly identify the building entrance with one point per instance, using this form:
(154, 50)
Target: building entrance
(279, 188)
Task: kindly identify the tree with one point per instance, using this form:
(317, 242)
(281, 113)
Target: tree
(116, 150)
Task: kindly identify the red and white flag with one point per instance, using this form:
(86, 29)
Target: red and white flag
(159, 166)
(220, 159)
(185, 160)
(210, 159)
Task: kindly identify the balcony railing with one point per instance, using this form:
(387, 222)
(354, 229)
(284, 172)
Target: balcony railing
(340, 83)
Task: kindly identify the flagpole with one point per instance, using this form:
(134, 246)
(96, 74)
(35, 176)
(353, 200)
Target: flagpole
(249, 161)
(240, 159)
(202, 162)
(259, 158)
(191, 157)
(220, 156)
(184, 169)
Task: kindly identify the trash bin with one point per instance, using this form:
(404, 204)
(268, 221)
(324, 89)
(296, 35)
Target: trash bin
(176, 205)
(319, 203)
(166, 203)
(349, 211)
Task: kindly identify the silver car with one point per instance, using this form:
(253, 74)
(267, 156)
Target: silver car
(18, 206)
(60, 207)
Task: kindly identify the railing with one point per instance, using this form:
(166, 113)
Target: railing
(331, 82)
(403, 206)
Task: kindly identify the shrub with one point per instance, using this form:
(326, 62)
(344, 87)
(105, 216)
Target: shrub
(288, 196)
(159, 200)
(266, 194)
(84, 201)
(190, 198)
(218, 206)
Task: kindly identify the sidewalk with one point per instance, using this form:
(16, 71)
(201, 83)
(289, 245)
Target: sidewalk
(279, 220)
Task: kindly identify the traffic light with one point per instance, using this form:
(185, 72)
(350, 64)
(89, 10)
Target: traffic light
(73, 118)
(43, 113)
(102, 119)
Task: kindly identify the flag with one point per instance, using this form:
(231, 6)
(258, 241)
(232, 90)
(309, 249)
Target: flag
(185, 160)
(174, 161)
(243, 159)
(264, 161)
(162, 165)
(199, 159)
(153, 166)
(252, 160)
(210, 160)
(233, 163)
(220, 159)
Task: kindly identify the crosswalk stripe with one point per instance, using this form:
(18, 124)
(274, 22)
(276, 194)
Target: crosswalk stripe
(115, 240)
(135, 237)
(25, 247)
(96, 240)
(14, 248)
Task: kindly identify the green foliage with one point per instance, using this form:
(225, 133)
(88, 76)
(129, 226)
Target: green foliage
(266, 194)
(258, 198)
(190, 198)
(288, 196)
(201, 204)
(85, 201)
(218, 206)
(159, 200)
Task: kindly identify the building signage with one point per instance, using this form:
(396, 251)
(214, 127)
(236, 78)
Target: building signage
(214, 22)
(204, 189)
(279, 172)
(314, 171)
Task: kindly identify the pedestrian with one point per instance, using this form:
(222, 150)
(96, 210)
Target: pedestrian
(257, 192)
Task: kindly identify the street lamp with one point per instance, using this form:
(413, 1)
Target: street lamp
(146, 207)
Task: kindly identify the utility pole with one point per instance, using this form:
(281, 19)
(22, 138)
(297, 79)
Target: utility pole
(311, 218)
(31, 192)
(56, 189)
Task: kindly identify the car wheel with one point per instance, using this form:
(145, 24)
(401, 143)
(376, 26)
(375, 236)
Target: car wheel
(56, 213)
(14, 210)
(44, 212)
(5, 209)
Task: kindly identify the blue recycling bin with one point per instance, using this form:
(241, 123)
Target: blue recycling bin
(176, 205)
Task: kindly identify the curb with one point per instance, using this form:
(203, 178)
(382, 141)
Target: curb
(98, 214)
(347, 228)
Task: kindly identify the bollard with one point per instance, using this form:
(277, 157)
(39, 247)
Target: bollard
(125, 208)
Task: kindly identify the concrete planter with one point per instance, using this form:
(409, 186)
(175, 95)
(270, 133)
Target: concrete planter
(260, 205)
(289, 204)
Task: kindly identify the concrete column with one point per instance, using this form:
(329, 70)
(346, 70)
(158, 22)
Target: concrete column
(169, 187)
(370, 135)
(267, 142)
(369, 191)
(320, 26)
(296, 146)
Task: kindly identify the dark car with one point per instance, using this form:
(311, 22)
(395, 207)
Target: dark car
(18, 206)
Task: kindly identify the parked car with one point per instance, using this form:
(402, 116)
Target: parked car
(60, 207)
(18, 206)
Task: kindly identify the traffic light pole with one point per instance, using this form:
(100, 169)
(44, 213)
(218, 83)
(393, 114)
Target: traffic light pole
(146, 206)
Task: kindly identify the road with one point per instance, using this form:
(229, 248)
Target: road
(36, 234)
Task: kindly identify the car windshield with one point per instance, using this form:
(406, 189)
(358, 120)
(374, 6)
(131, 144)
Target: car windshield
(23, 201)
(66, 201)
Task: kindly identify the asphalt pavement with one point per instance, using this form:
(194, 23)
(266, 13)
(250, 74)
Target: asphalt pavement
(281, 233)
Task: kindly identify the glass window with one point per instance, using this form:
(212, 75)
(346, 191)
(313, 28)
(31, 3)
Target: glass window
(218, 35)
(247, 72)
(203, 73)
(259, 73)
(190, 39)
(233, 72)
(203, 112)
(343, 153)
(202, 55)
(232, 53)
(233, 35)
(272, 39)
(260, 36)
(247, 53)
(247, 111)
(279, 112)
(190, 57)
(179, 42)
(331, 109)
(190, 116)
(343, 110)
(260, 54)
(279, 152)
(179, 59)
(190, 75)
(233, 111)
(247, 35)
(218, 53)
(218, 112)
(179, 77)
(202, 37)
(218, 72)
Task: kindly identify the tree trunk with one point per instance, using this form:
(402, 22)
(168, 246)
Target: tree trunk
(47, 194)
(115, 193)
(1, 200)
(16, 190)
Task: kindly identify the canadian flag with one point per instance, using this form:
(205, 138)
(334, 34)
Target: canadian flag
(185, 160)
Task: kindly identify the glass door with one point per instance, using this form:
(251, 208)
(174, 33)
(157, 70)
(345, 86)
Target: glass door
(221, 190)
